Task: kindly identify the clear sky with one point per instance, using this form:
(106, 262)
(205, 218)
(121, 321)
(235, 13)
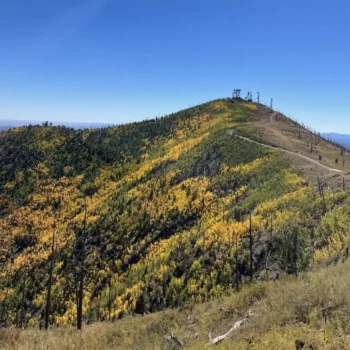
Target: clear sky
(123, 60)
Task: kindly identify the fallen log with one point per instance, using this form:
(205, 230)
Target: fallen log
(236, 326)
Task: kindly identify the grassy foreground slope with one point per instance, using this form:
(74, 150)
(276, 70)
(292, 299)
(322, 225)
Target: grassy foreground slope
(313, 308)
(167, 215)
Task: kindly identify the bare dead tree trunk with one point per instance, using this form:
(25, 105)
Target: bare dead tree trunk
(81, 278)
(236, 326)
(296, 253)
(3, 312)
(320, 190)
(237, 267)
(21, 318)
(271, 233)
(49, 284)
(269, 245)
(109, 301)
(251, 246)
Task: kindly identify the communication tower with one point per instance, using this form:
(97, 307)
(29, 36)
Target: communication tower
(236, 93)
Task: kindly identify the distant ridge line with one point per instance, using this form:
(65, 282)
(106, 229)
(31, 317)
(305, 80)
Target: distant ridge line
(9, 124)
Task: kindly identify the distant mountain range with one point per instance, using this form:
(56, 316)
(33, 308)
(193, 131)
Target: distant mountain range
(9, 124)
(343, 139)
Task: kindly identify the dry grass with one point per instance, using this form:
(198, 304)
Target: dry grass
(314, 308)
(276, 129)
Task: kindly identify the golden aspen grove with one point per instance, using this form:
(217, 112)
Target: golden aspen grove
(171, 212)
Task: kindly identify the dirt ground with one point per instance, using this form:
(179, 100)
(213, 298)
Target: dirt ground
(277, 130)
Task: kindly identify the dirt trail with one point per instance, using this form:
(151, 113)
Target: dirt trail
(272, 117)
(289, 152)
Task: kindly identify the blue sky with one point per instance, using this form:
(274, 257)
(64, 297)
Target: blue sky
(118, 61)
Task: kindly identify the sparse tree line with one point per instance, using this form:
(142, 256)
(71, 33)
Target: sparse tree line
(314, 138)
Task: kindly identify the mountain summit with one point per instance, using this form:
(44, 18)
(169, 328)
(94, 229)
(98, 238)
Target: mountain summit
(146, 216)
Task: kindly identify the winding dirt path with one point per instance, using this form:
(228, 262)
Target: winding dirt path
(289, 152)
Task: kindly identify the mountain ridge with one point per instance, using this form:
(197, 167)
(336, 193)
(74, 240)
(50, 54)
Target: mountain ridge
(343, 139)
(6, 124)
(167, 205)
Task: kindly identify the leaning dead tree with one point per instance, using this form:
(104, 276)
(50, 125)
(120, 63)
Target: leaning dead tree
(236, 326)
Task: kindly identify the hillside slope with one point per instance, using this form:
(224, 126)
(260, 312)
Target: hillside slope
(311, 309)
(276, 129)
(158, 212)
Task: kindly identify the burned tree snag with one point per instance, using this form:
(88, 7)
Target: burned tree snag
(21, 316)
(236, 263)
(81, 276)
(250, 246)
(49, 283)
(320, 190)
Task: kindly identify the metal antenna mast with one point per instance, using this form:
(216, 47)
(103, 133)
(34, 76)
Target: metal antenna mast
(271, 103)
(258, 98)
(249, 97)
